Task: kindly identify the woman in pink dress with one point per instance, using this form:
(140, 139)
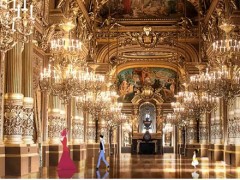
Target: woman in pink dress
(65, 163)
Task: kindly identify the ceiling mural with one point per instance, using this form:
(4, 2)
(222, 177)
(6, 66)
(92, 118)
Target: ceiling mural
(131, 81)
(144, 9)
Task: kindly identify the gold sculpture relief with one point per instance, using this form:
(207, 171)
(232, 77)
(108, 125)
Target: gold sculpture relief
(78, 131)
(55, 125)
(91, 134)
(13, 118)
(28, 124)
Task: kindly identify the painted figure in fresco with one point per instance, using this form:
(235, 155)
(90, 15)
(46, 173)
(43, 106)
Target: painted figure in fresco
(102, 154)
(127, 6)
(124, 89)
(144, 75)
(169, 89)
(66, 167)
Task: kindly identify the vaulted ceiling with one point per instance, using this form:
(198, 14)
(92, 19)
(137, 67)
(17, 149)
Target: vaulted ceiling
(148, 33)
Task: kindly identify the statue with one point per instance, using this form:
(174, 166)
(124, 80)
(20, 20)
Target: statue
(185, 23)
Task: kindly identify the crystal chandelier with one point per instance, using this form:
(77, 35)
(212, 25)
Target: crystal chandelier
(167, 128)
(66, 49)
(224, 80)
(16, 23)
(183, 123)
(172, 118)
(100, 102)
(226, 45)
(119, 118)
(61, 81)
(84, 101)
(110, 112)
(64, 78)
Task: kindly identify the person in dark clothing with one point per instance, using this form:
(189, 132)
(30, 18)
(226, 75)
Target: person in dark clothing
(102, 153)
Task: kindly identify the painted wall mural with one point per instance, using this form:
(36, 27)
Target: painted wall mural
(144, 8)
(130, 81)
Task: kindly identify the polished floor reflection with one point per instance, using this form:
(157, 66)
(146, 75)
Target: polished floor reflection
(146, 166)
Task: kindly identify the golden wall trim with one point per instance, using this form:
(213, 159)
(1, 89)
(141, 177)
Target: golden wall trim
(183, 49)
(28, 100)
(17, 96)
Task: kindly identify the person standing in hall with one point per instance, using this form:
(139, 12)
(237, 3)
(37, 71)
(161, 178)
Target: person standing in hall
(102, 153)
(194, 159)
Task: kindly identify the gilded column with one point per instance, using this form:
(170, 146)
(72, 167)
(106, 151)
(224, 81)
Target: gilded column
(77, 124)
(135, 119)
(217, 128)
(233, 131)
(69, 120)
(44, 107)
(91, 131)
(54, 121)
(203, 137)
(63, 117)
(192, 132)
(2, 84)
(27, 90)
(85, 124)
(103, 130)
(13, 107)
(159, 126)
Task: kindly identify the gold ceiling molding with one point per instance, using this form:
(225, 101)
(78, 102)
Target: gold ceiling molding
(183, 49)
(127, 65)
(210, 11)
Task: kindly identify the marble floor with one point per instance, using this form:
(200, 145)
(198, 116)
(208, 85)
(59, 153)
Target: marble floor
(144, 166)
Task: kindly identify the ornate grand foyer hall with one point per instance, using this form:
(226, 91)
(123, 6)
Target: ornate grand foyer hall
(158, 80)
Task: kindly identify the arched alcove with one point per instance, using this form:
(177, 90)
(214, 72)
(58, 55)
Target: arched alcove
(147, 109)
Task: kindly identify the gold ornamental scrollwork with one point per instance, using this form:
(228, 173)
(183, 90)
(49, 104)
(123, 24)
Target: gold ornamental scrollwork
(13, 114)
(78, 130)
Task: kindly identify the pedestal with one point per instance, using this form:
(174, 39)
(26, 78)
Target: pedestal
(79, 152)
(55, 152)
(2, 160)
(216, 152)
(21, 160)
(45, 155)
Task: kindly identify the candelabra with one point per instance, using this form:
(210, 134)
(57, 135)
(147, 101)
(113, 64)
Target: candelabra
(16, 24)
(68, 78)
(110, 112)
(167, 128)
(172, 118)
(119, 118)
(224, 81)
(101, 101)
(85, 101)
(226, 45)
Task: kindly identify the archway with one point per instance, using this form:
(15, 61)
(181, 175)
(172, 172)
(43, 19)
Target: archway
(147, 110)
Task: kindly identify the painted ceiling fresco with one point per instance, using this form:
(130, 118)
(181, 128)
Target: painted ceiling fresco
(130, 81)
(145, 9)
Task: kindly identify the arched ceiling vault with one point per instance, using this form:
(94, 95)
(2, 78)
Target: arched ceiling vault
(187, 51)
